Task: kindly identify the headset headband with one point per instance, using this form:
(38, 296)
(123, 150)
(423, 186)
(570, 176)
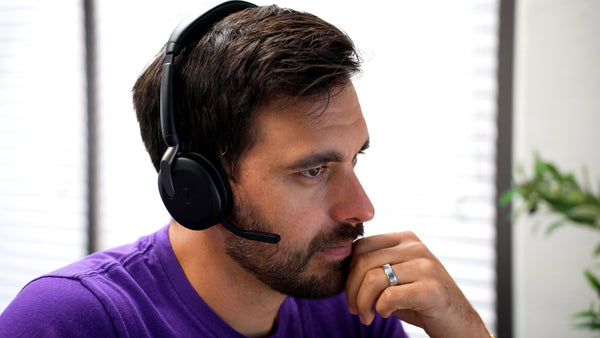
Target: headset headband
(185, 33)
(194, 191)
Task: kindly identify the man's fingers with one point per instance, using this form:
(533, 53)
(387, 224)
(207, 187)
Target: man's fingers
(372, 243)
(369, 266)
(367, 244)
(404, 301)
(375, 283)
(371, 253)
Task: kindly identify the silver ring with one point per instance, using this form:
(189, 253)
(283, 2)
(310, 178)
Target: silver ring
(391, 275)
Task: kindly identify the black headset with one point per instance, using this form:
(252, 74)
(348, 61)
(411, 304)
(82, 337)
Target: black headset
(194, 191)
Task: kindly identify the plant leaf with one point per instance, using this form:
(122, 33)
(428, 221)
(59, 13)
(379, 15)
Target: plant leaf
(509, 195)
(597, 251)
(583, 314)
(592, 280)
(553, 227)
(586, 213)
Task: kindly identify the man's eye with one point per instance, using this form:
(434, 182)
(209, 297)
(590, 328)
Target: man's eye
(314, 172)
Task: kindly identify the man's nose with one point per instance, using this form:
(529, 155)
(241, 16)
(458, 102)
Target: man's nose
(350, 201)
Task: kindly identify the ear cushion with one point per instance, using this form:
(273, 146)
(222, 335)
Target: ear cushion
(201, 194)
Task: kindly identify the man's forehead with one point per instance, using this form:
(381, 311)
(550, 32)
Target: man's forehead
(303, 110)
(337, 134)
(341, 106)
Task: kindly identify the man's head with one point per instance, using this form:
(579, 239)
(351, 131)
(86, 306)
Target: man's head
(267, 95)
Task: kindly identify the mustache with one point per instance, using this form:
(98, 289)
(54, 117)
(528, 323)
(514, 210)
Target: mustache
(343, 233)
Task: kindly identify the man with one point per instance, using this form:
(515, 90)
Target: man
(264, 99)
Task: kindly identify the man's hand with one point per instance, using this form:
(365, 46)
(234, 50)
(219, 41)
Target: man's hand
(425, 296)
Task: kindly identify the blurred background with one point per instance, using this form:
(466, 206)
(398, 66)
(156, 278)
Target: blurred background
(455, 93)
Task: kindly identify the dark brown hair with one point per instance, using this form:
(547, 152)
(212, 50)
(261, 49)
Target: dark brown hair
(244, 61)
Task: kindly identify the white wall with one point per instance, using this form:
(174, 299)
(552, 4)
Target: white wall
(557, 113)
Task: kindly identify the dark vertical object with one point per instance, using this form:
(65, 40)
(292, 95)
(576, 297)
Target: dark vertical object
(90, 76)
(504, 291)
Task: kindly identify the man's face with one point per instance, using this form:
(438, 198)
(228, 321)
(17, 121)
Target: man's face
(298, 181)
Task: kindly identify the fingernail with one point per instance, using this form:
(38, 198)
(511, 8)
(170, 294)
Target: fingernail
(367, 321)
(352, 310)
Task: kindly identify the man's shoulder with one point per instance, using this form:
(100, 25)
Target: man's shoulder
(103, 261)
(90, 295)
(54, 306)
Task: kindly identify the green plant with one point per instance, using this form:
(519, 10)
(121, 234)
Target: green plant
(575, 204)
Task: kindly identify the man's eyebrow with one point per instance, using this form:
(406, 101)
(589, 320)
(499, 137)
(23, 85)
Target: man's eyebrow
(316, 159)
(320, 158)
(366, 145)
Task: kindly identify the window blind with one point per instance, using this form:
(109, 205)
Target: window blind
(42, 140)
(428, 93)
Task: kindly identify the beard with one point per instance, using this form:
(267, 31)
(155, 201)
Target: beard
(288, 270)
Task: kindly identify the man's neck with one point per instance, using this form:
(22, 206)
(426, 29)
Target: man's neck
(237, 296)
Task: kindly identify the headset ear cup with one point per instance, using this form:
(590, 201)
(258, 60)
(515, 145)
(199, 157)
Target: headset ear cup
(200, 193)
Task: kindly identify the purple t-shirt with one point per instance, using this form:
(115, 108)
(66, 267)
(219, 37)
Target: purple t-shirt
(139, 290)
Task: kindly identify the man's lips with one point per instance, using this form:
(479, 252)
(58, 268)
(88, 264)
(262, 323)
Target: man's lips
(338, 251)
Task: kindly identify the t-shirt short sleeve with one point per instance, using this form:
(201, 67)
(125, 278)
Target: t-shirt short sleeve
(55, 307)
